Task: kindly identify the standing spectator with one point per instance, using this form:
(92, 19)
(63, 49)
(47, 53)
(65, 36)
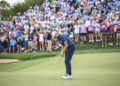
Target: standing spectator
(91, 30)
(35, 38)
(41, 40)
(104, 35)
(83, 32)
(45, 39)
(26, 41)
(118, 36)
(97, 31)
(30, 42)
(49, 40)
(5, 45)
(13, 44)
(19, 43)
(76, 32)
(71, 35)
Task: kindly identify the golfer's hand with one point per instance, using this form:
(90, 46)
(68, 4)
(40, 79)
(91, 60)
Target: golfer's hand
(62, 54)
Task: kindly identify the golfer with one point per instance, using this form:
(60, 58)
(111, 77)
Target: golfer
(68, 48)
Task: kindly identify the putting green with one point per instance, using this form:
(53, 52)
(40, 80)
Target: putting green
(96, 69)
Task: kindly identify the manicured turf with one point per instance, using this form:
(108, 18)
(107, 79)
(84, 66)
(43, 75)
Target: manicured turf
(89, 69)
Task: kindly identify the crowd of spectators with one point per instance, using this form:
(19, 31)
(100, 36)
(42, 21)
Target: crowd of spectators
(83, 21)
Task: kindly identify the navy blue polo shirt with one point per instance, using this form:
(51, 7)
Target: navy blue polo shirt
(118, 30)
(62, 39)
(30, 37)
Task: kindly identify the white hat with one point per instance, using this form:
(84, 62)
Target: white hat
(53, 34)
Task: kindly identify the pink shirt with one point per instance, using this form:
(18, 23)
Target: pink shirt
(90, 27)
(83, 28)
(35, 39)
(104, 25)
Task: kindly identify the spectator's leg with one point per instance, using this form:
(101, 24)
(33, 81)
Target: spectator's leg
(20, 49)
(89, 38)
(43, 46)
(9, 49)
(100, 36)
(48, 45)
(13, 48)
(85, 39)
(40, 46)
(105, 40)
(102, 40)
(117, 40)
(92, 37)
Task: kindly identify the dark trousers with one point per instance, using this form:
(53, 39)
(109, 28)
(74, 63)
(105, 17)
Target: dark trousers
(68, 56)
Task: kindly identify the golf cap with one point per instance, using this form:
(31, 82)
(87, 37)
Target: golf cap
(53, 34)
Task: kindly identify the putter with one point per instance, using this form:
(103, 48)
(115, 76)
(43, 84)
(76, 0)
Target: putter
(57, 65)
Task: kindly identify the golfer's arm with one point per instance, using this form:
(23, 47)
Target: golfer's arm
(65, 47)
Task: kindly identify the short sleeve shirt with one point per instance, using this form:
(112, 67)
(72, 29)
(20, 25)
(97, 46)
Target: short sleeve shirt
(62, 39)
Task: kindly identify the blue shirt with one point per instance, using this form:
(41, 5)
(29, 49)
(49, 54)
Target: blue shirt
(12, 42)
(30, 37)
(62, 39)
(65, 32)
(17, 32)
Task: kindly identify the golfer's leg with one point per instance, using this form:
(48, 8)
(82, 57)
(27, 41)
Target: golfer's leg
(68, 58)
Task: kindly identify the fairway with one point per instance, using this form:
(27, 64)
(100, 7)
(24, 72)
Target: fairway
(89, 69)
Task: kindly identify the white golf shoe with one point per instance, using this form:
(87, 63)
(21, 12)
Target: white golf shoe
(67, 76)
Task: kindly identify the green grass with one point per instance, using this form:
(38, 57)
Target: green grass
(89, 69)
(26, 56)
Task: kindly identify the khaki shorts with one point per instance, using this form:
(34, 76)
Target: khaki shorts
(30, 43)
(118, 35)
(104, 36)
(76, 34)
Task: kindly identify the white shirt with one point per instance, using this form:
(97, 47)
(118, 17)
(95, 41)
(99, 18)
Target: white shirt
(77, 29)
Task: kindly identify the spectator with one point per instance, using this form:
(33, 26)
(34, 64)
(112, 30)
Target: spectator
(13, 44)
(19, 43)
(49, 40)
(76, 32)
(30, 42)
(97, 31)
(91, 30)
(35, 38)
(83, 32)
(118, 36)
(41, 40)
(104, 33)
(5, 45)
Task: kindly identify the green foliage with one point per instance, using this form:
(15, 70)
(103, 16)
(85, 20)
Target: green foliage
(18, 7)
(4, 4)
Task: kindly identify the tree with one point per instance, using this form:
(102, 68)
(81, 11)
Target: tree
(4, 4)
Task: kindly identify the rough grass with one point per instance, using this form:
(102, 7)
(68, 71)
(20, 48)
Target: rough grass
(26, 56)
